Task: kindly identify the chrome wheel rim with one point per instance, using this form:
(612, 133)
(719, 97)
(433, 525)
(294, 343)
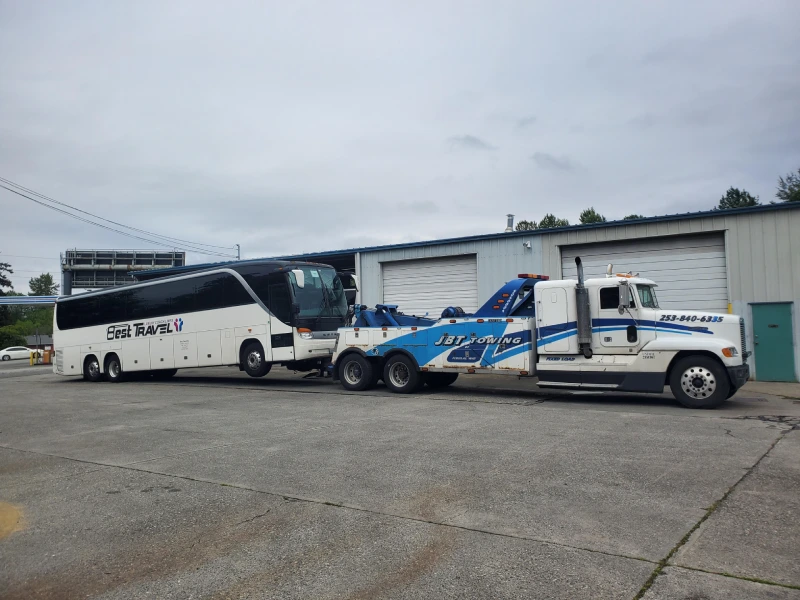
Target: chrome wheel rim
(254, 359)
(399, 375)
(94, 368)
(113, 369)
(698, 382)
(353, 373)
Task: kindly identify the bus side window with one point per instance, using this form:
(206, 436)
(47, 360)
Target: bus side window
(280, 302)
(209, 292)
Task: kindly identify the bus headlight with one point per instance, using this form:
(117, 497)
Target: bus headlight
(305, 334)
(730, 352)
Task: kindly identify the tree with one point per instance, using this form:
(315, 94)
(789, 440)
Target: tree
(550, 220)
(789, 188)
(526, 225)
(590, 215)
(736, 198)
(43, 285)
(632, 217)
(5, 271)
(5, 282)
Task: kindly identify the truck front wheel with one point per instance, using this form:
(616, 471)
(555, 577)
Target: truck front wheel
(699, 382)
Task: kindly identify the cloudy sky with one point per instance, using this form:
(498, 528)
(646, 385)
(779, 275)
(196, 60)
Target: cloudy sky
(297, 126)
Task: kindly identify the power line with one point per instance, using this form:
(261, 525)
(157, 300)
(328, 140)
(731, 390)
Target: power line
(2, 254)
(149, 241)
(150, 233)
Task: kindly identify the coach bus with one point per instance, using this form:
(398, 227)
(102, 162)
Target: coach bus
(254, 314)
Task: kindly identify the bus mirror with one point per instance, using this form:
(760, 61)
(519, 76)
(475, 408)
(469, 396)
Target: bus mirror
(299, 277)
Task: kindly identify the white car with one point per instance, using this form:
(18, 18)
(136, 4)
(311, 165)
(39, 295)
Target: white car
(15, 352)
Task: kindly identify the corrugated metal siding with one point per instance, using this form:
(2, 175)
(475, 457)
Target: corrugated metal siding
(689, 269)
(499, 260)
(429, 285)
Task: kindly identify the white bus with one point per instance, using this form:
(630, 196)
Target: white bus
(253, 314)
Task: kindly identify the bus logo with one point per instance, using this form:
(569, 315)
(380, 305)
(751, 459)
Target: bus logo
(118, 332)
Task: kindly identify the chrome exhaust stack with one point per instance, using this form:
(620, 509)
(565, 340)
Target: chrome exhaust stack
(583, 312)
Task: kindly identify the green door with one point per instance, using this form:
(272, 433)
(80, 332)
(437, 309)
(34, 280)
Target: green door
(774, 344)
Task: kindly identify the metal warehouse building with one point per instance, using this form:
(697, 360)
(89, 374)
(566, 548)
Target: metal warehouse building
(744, 261)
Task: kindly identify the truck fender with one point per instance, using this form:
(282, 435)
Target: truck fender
(402, 351)
(690, 345)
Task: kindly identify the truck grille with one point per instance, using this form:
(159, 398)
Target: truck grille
(744, 338)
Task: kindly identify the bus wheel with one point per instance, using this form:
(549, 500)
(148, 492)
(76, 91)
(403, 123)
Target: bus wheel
(113, 368)
(356, 373)
(401, 375)
(91, 369)
(164, 373)
(699, 382)
(440, 380)
(253, 358)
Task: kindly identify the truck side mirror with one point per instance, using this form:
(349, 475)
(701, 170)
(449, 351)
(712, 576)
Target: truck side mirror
(624, 298)
(354, 281)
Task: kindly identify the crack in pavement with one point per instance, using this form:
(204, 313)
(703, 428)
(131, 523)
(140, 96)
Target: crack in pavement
(665, 562)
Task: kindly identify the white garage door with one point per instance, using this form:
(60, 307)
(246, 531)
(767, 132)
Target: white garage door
(430, 285)
(690, 270)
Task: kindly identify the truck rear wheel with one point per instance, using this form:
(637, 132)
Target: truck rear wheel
(699, 382)
(401, 375)
(440, 380)
(356, 373)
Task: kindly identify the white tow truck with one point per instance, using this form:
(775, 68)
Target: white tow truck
(598, 334)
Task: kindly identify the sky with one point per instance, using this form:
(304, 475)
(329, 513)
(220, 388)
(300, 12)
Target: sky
(293, 127)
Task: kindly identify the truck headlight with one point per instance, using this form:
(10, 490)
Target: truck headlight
(305, 334)
(730, 352)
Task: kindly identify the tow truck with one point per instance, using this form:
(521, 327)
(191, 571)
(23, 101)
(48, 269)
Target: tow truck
(598, 334)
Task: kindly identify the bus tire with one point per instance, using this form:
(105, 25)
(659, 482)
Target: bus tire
(253, 360)
(401, 375)
(356, 373)
(440, 380)
(113, 368)
(699, 382)
(91, 368)
(164, 373)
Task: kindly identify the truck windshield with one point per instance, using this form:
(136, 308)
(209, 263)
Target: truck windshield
(647, 296)
(322, 294)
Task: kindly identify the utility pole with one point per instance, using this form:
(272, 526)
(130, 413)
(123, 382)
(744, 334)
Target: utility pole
(238, 252)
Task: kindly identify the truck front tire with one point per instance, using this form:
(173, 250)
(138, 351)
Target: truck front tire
(699, 382)
(401, 375)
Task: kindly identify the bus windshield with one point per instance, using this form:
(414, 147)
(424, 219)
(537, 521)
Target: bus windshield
(322, 294)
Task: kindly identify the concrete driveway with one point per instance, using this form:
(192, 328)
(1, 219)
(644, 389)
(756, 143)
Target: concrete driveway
(213, 485)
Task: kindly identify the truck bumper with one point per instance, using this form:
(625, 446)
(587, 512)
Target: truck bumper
(739, 375)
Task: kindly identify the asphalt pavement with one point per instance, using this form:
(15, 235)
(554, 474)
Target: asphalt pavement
(214, 485)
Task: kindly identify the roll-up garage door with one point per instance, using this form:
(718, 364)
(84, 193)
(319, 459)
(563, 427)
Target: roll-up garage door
(690, 270)
(430, 285)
